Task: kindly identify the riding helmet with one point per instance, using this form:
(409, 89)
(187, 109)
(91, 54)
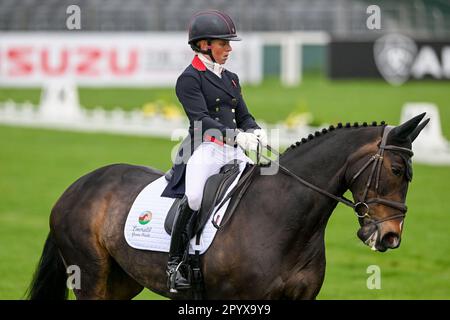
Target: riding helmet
(211, 24)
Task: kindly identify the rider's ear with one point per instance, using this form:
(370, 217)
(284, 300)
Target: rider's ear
(404, 131)
(417, 130)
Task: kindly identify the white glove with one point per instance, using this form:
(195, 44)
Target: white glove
(262, 136)
(247, 141)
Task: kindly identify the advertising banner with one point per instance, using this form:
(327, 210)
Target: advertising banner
(111, 59)
(394, 57)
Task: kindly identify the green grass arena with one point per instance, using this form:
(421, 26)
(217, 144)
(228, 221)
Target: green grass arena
(37, 165)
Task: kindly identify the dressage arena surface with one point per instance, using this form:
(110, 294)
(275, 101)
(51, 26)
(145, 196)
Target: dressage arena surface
(37, 165)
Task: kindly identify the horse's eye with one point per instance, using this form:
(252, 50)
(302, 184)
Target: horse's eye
(397, 171)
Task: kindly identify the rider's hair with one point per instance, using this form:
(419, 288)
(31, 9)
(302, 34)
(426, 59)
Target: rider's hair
(195, 46)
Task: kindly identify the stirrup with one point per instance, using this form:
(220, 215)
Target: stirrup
(173, 276)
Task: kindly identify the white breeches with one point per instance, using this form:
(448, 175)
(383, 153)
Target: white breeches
(207, 160)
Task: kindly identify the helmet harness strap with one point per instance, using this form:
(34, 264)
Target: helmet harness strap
(207, 52)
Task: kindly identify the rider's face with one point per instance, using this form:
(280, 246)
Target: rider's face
(220, 49)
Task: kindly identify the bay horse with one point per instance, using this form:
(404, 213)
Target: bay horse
(273, 245)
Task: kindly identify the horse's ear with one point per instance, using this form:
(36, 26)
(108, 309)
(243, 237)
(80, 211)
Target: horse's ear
(402, 132)
(417, 130)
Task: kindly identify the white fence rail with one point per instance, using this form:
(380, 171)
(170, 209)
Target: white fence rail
(60, 109)
(119, 121)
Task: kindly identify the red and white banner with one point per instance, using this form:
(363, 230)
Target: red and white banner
(111, 59)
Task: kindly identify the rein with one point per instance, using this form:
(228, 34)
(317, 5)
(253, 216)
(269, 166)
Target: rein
(361, 207)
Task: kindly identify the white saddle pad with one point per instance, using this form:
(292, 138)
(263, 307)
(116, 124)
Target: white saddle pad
(144, 228)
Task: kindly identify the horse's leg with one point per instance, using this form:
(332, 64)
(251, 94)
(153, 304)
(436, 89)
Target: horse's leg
(100, 276)
(81, 242)
(90, 264)
(120, 286)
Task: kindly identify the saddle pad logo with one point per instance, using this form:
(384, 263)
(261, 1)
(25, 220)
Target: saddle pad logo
(145, 217)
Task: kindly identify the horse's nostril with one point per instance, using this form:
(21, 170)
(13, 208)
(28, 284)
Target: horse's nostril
(391, 240)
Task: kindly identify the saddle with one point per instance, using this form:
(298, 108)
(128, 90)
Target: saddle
(213, 193)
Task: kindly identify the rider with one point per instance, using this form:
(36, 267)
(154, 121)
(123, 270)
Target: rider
(211, 97)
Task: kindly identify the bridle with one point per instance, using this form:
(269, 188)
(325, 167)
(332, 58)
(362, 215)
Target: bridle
(361, 207)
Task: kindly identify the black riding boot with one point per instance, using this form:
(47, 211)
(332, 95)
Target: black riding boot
(178, 246)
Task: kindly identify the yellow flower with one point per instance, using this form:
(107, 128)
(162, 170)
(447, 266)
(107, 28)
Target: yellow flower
(149, 109)
(170, 111)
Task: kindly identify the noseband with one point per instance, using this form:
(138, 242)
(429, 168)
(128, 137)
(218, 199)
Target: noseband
(362, 206)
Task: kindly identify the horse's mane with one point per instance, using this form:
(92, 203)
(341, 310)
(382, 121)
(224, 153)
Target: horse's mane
(329, 129)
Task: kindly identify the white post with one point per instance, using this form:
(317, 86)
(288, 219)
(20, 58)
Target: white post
(430, 146)
(59, 101)
(290, 61)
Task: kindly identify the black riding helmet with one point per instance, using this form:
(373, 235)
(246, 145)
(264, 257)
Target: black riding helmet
(209, 25)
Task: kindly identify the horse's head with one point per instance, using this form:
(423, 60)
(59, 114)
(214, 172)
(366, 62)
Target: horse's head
(379, 174)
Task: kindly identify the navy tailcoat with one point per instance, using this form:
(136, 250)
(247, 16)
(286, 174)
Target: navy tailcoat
(212, 104)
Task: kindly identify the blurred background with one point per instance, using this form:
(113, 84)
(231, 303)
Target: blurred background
(84, 84)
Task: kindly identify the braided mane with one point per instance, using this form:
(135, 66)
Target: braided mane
(329, 129)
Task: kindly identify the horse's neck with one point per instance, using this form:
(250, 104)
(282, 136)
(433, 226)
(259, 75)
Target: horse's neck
(322, 162)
